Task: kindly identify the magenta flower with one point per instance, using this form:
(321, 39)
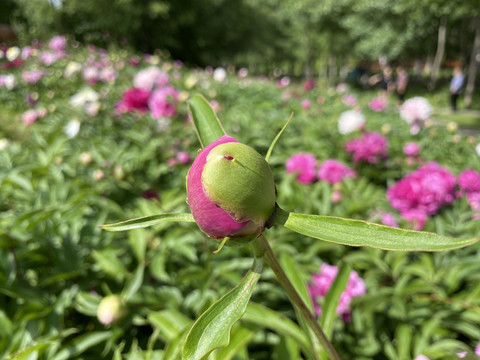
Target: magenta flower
(134, 99)
(322, 282)
(377, 104)
(422, 192)
(183, 157)
(309, 85)
(237, 205)
(469, 181)
(163, 102)
(370, 147)
(303, 164)
(411, 149)
(333, 171)
(389, 220)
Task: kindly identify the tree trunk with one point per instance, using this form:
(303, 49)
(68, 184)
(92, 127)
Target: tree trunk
(472, 68)
(442, 35)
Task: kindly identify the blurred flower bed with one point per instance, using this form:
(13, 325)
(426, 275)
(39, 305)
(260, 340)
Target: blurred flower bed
(90, 136)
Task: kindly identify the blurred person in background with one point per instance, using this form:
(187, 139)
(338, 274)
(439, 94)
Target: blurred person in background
(385, 82)
(456, 86)
(401, 83)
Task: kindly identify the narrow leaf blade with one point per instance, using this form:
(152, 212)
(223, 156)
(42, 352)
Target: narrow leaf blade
(207, 125)
(147, 221)
(361, 233)
(272, 145)
(212, 328)
(329, 310)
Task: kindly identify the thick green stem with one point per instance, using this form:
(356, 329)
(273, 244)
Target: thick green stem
(295, 298)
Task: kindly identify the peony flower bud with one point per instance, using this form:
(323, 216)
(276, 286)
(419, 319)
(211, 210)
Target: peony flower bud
(111, 309)
(230, 190)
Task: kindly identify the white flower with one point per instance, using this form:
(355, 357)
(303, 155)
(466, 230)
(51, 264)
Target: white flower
(12, 53)
(72, 68)
(83, 97)
(3, 144)
(8, 81)
(350, 121)
(72, 128)
(477, 149)
(219, 74)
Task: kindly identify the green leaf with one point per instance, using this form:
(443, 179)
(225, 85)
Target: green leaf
(403, 336)
(134, 283)
(30, 352)
(361, 233)
(207, 125)
(282, 325)
(82, 343)
(169, 322)
(212, 328)
(147, 221)
(272, 145)
(329, 310)
(240, 338)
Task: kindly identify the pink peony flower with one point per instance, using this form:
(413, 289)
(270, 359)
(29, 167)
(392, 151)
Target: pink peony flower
(333, 171)
(421, 357)
(283, 82)
(29, 117)
(163, 102)
(58, 44)
(349, 100)
(91, 75)
(336, 196)
(309, 85)
(183, 157)
(134, 99)
(306, 104)
(32, 77)
(389, 220)
(370, 147)
(415, 112)
(322, 282)
(150, 78)
(462, 354)
(303, 164)
(108, 74)
(48, 58)
(377, 104)
(411, 149)
(477, 349)
(469, 181)
(473, 199)
(422, 193)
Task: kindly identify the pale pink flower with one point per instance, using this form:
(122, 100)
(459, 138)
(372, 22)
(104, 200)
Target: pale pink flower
(349, 100)
(150, 78)
(29, 117)
(303, 164)
(183, 157)
(108, 74)
(58, 43)
(477, 349)
(411, 149)
(462, 354)
(473, 199)
(389, 220)
(415, 112)
(283, 82)
(32, 77)
(350, 121)
(91, 75)
(306, 104)
(421, 357)
(48, 58)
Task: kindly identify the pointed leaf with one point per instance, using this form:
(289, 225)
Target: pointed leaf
(329, 309)
(361, 233)
(207, 125)
(272, 145)
(212, 329)
(147, 221)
